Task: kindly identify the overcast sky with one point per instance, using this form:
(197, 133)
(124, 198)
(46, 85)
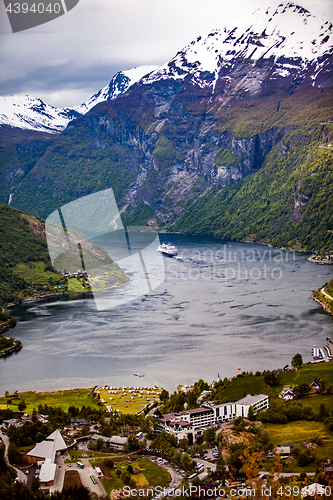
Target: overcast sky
(67, 60)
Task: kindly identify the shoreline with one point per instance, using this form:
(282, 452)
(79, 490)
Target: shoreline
(40, 298)
(323, 305)
(37, 299)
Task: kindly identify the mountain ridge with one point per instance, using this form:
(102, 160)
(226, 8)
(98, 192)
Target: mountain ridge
(31, 113)
(168, 141)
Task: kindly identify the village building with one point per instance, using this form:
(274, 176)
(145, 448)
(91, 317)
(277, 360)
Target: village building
(80, 422)
(287, 394)
(116, 443)
(312, 490)
(315, 384)
(284, 451)
(195, 421)
(46, 451)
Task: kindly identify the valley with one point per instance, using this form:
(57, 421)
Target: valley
(224, 151)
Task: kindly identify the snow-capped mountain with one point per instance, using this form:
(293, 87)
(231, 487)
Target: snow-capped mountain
(288, 35)
(30, 113)
(119, 83)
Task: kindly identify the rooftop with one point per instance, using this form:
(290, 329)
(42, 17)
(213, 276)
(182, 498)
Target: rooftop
(47, 471)
(251, 400)
(48, 448)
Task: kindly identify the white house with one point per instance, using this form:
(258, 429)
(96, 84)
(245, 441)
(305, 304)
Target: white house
(312, 490)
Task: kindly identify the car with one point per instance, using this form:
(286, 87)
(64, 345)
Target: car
(69, 465)
(27, 471)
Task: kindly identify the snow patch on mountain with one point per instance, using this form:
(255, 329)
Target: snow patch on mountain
(119, 83)
(30, 113)
(287, 31)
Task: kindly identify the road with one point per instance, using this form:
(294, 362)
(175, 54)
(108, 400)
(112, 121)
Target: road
(207, 465)
(323, 291)
(22, 477)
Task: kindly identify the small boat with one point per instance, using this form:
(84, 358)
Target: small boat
(138, 374)
(168, 250)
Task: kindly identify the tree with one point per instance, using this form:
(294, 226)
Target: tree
(39, 437)
(301, 389)
(35, 484)
(85, 430)
(323, 412)
(22, 405)
(108, 462)
(325, 387)
(12, 453)
(164, 396)
(187, 462)
(132, 442)
(251, 415)
(271, 378)
(99, 444)
(209, 435)
(125, 477)
(130, 468)
(297, 360)
(304, 458)
(183, 443)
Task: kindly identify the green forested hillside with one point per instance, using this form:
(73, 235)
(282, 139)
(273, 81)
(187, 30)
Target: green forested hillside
(19, 152)
(25, 266)
(18, 244)
(288, 203)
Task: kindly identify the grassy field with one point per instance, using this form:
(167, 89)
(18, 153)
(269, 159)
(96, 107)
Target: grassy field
(255, 385)
(148, 474)
(74, 285)
(297, 431)
(128, 399)
(307, 373)
(63, 399)
(35, 272)
(125, 400)
(315, 401)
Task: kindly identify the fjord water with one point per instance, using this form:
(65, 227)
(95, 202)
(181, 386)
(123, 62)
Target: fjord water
(222, 306)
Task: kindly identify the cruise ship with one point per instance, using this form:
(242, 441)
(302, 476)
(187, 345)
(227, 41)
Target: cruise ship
(168, 250)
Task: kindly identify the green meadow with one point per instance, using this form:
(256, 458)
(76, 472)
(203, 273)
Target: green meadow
(298, 430)
(125, 400)
(252, 384)
(146, 474)
(63, 399)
